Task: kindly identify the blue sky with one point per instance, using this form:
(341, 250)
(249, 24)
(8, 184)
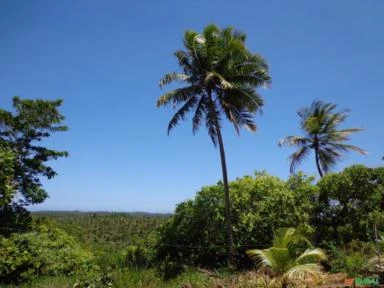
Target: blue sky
(104, 58)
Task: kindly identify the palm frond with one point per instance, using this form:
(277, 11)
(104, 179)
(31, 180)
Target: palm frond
(298, 141)
(303, 272)
(285, 237)
(328, 158)
(212, 76)
(212, 116)
(245, 96)
(312, 255)
(278, 259)
(346, 147)
(260, 257)
(240, 118)
(177, 96)
(297, 157)
(200, 111)
(171, 77)
(180, 114)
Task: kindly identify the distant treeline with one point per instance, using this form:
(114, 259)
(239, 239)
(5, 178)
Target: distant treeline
(53, 213)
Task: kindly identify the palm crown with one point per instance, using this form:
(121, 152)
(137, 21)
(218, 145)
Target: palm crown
(320, 122)
(221, 75)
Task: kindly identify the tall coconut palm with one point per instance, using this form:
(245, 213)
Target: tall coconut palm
(320, 123)
(284, 263)
(221, 77)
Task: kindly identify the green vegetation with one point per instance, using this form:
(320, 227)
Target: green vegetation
(260, 204)
(320, 124)
(45, 251)
(349, 205)
(118, 240)
(222, 77)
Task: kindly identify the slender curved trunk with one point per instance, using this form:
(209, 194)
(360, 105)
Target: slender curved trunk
(228, 217)
(318, 163)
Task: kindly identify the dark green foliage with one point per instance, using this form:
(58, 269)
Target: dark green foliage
(7, 170)
(14, 218)
(42, 252)
(20, 134)
(194, 235)
(349, 204)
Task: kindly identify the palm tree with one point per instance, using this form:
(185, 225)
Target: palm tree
(320, 122)
(221, 76)
(282, 261)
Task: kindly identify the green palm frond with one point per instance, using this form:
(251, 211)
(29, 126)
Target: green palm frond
(311, 255)
(213, 116)
(285, 237)
(201, 110)
(297, 157)
(177, 96)
(180, 114)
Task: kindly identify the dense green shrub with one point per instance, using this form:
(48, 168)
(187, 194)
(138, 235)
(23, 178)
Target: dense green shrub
(349, 205)
(352, 258)
(195, 234)
(44, 251)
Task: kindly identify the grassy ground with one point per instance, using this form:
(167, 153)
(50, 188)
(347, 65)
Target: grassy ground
(128, 278)
(149, 279)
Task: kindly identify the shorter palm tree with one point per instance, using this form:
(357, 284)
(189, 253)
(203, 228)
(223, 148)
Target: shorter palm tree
(281, 259)
(319, 123)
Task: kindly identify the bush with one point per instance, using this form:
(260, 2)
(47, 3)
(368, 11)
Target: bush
(349, 205)
(137, 257)
(43, 252)
(353, 259)
(355, 264)
(195, 234)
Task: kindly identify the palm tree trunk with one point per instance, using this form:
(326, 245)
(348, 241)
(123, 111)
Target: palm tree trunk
(228, 217)
(318, 163)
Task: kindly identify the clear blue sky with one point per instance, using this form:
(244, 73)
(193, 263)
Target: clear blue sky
(104, 58)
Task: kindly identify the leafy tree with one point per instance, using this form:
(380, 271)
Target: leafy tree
(349, 205)
(22, 160)
(282, 260)
(7, 189)
(320, 122)
(260, 204)
(220, 76)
